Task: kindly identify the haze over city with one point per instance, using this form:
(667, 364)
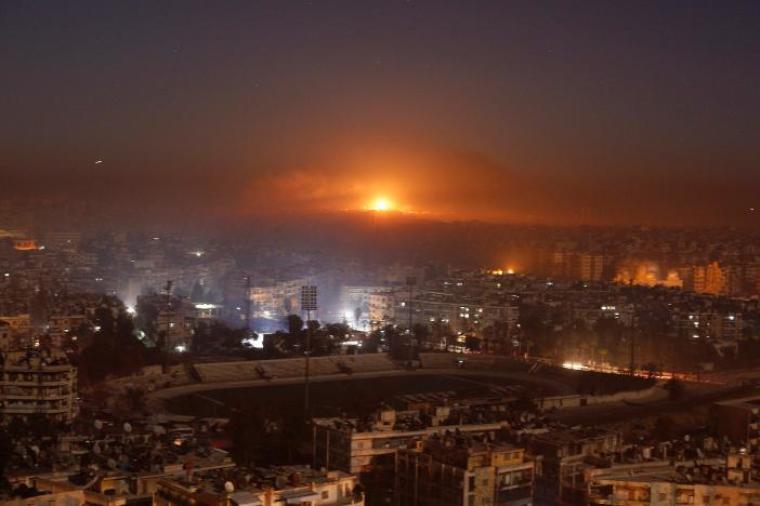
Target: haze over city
(379, 253)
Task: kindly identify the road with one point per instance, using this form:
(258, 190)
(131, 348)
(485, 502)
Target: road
(695, 396)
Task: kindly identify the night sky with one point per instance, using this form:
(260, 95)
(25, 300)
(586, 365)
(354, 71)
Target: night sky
(550, 112)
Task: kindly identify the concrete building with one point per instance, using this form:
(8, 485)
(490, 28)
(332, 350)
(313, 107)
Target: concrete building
(287, 485)
(368, 447)
(564, 459)
(738, 420)
(590, 267)
(172, 317)
(61, 493)
(462, 471)
(709, 324)
(380, 309)
(710, 278)
(462, 315)
(37, 382)
(705, 482)
(277, 299)
(355, 301)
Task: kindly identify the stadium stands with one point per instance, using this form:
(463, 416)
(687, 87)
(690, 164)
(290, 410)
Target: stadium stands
(265, 370)
(221, 372)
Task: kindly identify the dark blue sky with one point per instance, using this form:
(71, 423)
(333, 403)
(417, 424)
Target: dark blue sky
(538, 111)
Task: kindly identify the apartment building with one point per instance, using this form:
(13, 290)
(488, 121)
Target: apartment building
(37, 382)
(455, 470)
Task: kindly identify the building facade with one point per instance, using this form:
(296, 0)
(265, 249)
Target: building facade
(460, 471)
(36, 382)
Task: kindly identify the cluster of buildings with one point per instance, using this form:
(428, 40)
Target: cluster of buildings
(415, 457)
(719, 262)
(107, 462)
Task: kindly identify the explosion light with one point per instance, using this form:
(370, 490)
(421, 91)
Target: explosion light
(381, 204)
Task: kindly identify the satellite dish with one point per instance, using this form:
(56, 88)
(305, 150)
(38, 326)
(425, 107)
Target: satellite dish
(229, 487)
(98, 424)
(127, 427)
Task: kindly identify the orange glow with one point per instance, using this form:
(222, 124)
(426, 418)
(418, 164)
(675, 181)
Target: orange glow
(25, 245)
(381, 204)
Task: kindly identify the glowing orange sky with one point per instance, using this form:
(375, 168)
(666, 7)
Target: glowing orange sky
(540, 112)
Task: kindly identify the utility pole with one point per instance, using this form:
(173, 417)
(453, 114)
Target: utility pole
(247, 302)
(308, 304)
(632, 363)
(410, 281)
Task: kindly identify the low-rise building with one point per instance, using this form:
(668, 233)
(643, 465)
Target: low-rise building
(705, 482)
(462, 471)
(288, 485)
(565, 455)
(368, 447)
(738, 420)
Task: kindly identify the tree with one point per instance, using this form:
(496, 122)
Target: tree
(115, 349)
(675, 388)
(339, 330)
(197, 294)
(398, 344)
(421, 333)
(6, 446)
(294, 323)
(472, 343)
(664, 428)
(372, 343)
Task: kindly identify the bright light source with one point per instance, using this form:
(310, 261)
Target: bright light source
(255, 342)
(180, 348)
(381, 204)
(131, 310)
(198, 253)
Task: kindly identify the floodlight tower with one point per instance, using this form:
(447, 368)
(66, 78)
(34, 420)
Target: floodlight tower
(308, 304)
